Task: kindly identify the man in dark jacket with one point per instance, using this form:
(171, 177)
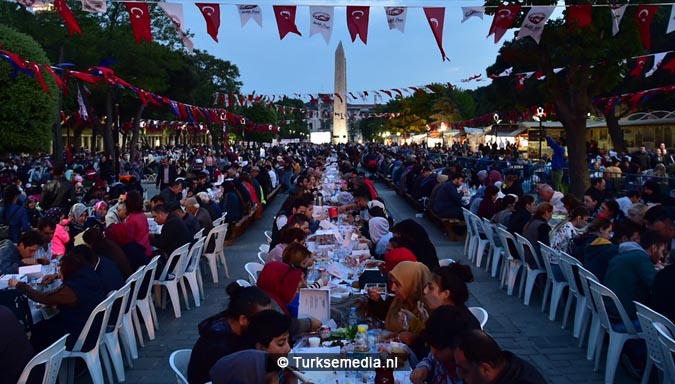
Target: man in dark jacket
(166, 174)
(174, 232)
(59, 192)
(479, 359)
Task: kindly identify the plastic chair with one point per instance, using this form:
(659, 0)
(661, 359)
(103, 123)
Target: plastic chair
(548, 254)
(262, 256)
(495, 254)
(533, 271)
(468, 242)
(243, 283)
(595, 329)
(581, 310)
(170, 279)
(481, 314)
(199, 234)
(268, 236)
(191, 274)
(144, 303)
(445, 262)
(667, 350)
(617, 339)
(111, 340)
(513, 263)
(51, 358)
(218, 221)
(218, 235)
(179, 361)
(93, 330)
(648, 317)
(253, 269)
(126, 329)
(481, 242)
(264, 248)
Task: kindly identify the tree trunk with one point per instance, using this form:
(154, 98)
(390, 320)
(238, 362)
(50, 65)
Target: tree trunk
(216, 133)
(108, 144)
(77, 139)
(133, 144)
(615, 132)
(57, 142)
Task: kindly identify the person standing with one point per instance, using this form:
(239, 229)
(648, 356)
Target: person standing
(166, 174)
(59, 192)
(557, 162)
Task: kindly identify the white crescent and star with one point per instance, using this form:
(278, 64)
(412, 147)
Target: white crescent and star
(285, 14)
(358, 14)
(434, 21)
(209, 10)
(136, 12)
(504, 13)
(644, 14)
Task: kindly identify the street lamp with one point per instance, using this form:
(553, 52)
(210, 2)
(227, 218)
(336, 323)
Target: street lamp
(539, 117)
(497, 120)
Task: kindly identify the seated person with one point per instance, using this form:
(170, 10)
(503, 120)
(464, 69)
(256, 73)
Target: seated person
(248, 366)
(174, 232)
(288, 236)
(223, 334)
(268, 331)
(396, 253)
(107, 271)
(448, 203)
(448, 286)
(14, 256)
(107, 248)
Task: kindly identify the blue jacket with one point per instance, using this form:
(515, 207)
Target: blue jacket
(10, 261)
(558, 160)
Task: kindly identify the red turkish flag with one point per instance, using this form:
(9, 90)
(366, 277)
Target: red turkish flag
(68, 17)
(503, 20)
(435, 17)
(357, 22)
(211, 13)
(644, 15)
(139, 15)
(579, 16)
(285, 16)
(640, 66)
(670, 65)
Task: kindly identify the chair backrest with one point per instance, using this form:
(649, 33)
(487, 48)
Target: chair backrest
(488, 229)
(585, 276)
(243, 283)
(179, 363)
(96, 324)
(51, 358)
(120, 301)
(268, 236)
(600, 293)
(467, 219)
(253, 269)
(481, 314)
(262, 256)
(648, 317)
(526, 248)
(175, 264)
(507, 238)
(567, 264)
(219, 233)
(195, 254)
(264, 248)
(135, 279)
(218, 221)
(445, 262)
(199, 234)
(548, 254)
(667, 350)
(145, 283)
(476, 223)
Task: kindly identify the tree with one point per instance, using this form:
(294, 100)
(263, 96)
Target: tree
(26, 112)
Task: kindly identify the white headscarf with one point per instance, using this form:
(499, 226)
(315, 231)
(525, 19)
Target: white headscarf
(378, 227)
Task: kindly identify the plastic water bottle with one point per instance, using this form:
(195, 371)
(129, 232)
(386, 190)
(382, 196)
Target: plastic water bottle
(353, 319)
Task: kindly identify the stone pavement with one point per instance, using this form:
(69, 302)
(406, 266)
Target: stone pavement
(524, 330)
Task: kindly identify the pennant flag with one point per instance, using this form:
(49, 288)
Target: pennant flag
(321, 21)
(175, 12)
(436, 17)
(80, 103)
(520, 85)
(285, 15)
(506, 72)
(644, 15)
(470, 12)
(211, 13)
(32, 3)
(247, 12)
(670, 65)
(671, 21)
(357, 22)
(617, 15)
(640, 66)
(68, 17)
(579, 16)
(396, 17)
(503, 20)
(534, 22)
(94, 6)
(658, 60)
(139, 15)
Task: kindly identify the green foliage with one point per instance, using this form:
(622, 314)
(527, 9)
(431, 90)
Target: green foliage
(292, 122)
(260, 114)
(27, 113)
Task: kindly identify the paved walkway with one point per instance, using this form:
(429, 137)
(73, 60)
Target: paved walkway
(523, 330)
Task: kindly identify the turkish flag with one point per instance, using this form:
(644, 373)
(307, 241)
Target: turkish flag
(211, 13)
(640, 66)
(68, 17)
(357, 22)
(139, 15)
(670, 66)
(644, 15)
(579, 16)
(285, 16)
(435, 17)
(503, 20)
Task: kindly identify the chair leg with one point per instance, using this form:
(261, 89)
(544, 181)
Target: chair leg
(480, 250)
(514, 268)
(568, 307)
(557, 293)
(144, 308)
(106, 357)
(224, 261)
(598, 349)
(194, 287)
(496, 259)
(213, 265)
(613, 353)
(581, 314)
(546, 291)
(202, 296)
(128, 340)
(95, 369)
(185, 296)
(594, 334)
(648, 372)
(529, 286)
(172, 289)
(137, 326)
(153, 314)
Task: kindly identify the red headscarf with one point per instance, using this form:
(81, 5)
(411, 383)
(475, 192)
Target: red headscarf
(280, 281)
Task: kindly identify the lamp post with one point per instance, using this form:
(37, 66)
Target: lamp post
(539, 117)
(497, 121)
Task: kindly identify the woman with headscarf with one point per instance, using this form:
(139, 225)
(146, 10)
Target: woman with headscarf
(67, 229)
(378, 228)
(415, 238)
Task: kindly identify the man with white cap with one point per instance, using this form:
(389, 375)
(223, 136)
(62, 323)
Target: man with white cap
(193, 208)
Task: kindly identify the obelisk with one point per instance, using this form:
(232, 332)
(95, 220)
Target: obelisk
(339, 100)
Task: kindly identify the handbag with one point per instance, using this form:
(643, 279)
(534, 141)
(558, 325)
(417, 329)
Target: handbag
(17, 302)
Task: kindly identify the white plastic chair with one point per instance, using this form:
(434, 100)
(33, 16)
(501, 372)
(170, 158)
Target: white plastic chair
(547, 254)
(179, 361)
(513, 263)
(648, 317)
(218, 221)
(581, 311)
(144, 303)
(481, 242)
(262, 256)
(95, 326)
(126, 329)
(445, 262)
(481, 314)
(264, 248)
(51, 357)
(495, 254)
(253, 269)
(616, 339)
(191, 274)
(468, 242)
(199, 234)
(595, 329)
(171, 279)
(268, 236)
(218, 234)
(667, 350)
(243, 283)
(111, 340)
(533, 271)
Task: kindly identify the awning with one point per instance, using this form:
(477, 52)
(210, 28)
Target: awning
(506, 130)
